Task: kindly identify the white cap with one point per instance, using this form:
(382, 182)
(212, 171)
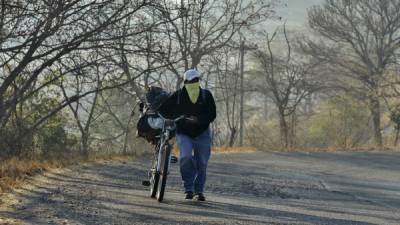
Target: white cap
(191, 74)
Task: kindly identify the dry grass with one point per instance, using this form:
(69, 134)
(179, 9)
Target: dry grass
(234, 149)
(14, 171)
(224, 149)
(366, 148)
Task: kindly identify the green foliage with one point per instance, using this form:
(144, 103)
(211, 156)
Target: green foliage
(49, 140)
(113, 119)
(395, 117)
(264, 135)
(340, 122)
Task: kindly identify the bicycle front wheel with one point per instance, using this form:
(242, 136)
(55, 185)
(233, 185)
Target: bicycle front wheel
(154, 177)
(163, 172)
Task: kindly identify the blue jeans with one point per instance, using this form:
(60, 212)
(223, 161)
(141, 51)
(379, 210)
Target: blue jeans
(193, 159)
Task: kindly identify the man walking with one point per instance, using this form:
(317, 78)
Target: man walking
(193, 134)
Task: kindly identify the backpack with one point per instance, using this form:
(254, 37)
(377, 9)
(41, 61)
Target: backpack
(155, 97)
(146, 128)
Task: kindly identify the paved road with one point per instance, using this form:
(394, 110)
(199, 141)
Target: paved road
(248, 188)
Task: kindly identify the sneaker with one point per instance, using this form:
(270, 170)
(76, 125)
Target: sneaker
(174, 159)
(200, 197)
(189, 195)
(146, 183)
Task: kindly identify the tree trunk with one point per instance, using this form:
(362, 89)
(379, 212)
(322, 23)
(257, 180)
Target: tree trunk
(124, 151)
(127, 132)
(376, 118)
(292, 136)
(396, 137)
(195, 61)
(241, 93)
(2, 111)
(283, 130)
(232, 136)
(85, 145)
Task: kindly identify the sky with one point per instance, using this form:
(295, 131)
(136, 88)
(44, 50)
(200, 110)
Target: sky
(295, 12)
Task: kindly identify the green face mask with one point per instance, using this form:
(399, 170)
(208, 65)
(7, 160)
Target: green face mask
(193, 91)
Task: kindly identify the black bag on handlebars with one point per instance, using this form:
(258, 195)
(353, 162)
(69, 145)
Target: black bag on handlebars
(146, 131)
(155, 97)
(148, 125)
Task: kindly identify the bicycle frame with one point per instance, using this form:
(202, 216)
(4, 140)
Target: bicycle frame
(168, 126)
(159, 176)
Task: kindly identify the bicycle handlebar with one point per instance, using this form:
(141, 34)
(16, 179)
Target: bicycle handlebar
(175, 120)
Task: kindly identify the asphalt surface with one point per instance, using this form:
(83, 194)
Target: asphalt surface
(247, 188)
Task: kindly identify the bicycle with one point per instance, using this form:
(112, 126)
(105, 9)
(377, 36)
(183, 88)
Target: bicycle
(161, 159)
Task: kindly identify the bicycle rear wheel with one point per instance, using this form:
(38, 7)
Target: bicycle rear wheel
(163, 172)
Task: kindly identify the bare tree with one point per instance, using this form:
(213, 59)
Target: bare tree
(360, 41)
(83, 109)
(204, 26)
(286, 81)
(37, 35)
(225, 66)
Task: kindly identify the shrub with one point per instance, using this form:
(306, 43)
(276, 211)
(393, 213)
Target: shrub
(339, 122)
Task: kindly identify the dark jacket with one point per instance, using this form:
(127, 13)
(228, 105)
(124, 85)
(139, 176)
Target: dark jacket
(203, 109)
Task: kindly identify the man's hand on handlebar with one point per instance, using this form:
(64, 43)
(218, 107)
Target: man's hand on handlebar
(189, 119)
(192, 119)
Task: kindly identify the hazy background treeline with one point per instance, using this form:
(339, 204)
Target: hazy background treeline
(72, 73)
